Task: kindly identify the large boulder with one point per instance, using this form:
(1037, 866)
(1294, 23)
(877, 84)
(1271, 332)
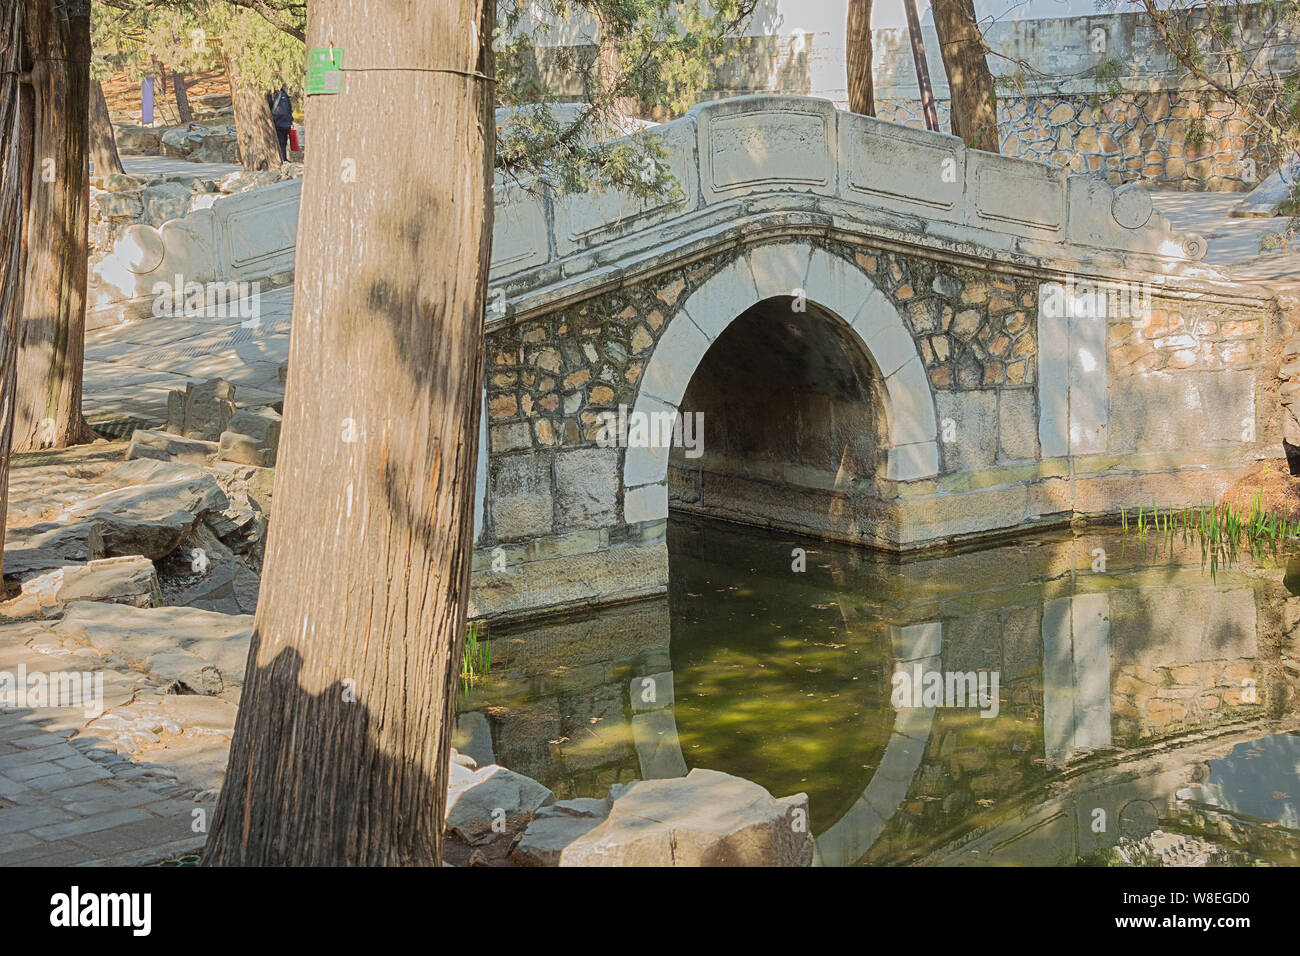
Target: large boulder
(136, 139)
(125, 206)
(242, 180)
(555, 828)
(154, 505)
(164, 446)
(219, 146)
(129, 580)
(165, 201)
(251, 437)
(490, 800)
(706, 818)
(51, 544)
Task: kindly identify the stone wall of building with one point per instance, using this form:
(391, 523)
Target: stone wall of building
(1094, 93)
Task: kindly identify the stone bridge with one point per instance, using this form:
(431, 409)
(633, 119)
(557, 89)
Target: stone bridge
(885, 339)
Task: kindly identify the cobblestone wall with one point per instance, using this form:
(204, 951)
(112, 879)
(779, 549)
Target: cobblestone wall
(1158, 138)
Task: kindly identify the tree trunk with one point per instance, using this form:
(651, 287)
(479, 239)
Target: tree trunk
(47, 410)
(862, 90)
(610, 71)
(183, 111)
(340, 748)
(15, 170)
(258, 147)
(103, 142)
(973, 101)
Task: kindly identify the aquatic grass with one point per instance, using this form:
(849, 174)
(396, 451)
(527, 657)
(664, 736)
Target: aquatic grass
(475, 658)
(1222, 530)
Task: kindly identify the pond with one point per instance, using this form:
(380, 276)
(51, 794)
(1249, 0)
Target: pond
(1031, 702)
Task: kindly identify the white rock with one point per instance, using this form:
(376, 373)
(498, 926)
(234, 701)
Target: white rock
(707, 818)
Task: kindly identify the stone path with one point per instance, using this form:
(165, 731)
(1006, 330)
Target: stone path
(167, 166)
(1233, 243)
(130, 368)
(60, 807)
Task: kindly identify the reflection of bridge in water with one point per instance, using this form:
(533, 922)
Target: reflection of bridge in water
(1090, 664)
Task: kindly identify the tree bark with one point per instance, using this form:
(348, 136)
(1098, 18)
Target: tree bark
(340, 748)
(862, 90)
(258, 147)
(610, 71)
(103, 142)
(973, 101)
(15, 170)
(47, 409)
(183, 111)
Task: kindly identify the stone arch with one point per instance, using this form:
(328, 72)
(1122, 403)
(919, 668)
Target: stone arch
(833, 284)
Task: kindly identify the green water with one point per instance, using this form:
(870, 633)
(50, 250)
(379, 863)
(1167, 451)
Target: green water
(1122, 675)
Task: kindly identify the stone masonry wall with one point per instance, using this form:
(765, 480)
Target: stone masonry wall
(549, 378)
(1158, 138)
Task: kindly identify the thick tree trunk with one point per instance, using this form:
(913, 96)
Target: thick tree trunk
(862, 91)
(47, 410)
(103, 143)
(258, 147)
(15, 170)
(183, 111)
(340, 748)
(973, 99)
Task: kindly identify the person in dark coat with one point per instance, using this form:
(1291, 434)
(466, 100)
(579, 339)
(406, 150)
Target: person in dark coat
(282, 118)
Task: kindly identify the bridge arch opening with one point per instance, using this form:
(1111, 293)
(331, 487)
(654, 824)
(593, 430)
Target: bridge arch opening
(810, 394)
(788, 426)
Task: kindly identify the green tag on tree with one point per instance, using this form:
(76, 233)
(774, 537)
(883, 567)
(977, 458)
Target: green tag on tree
(324, 70)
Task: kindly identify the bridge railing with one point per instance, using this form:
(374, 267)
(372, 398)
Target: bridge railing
(728, 153)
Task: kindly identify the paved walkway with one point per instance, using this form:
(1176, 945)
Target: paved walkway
(130, 368)
(1233, 243)
(60, 807)
(167, 166)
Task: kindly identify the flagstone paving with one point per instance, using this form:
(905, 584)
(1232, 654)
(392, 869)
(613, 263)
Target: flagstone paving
(66, 802)
(168, 166)
(131, 367)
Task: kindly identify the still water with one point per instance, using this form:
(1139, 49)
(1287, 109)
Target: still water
(1029, 703)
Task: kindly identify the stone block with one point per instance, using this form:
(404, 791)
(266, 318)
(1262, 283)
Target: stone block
(129, 580)
(1017, 425)
(586, 488)
(707, 818)
(201, 411)
(521, 503)
(165, 446)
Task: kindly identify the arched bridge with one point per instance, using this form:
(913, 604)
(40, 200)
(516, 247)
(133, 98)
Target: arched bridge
(871, 333)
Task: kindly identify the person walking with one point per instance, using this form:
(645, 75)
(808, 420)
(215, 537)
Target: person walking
(282, 118)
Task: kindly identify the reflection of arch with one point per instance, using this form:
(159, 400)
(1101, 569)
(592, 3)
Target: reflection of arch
(849, 839)
(654, 734)
(765, 272)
